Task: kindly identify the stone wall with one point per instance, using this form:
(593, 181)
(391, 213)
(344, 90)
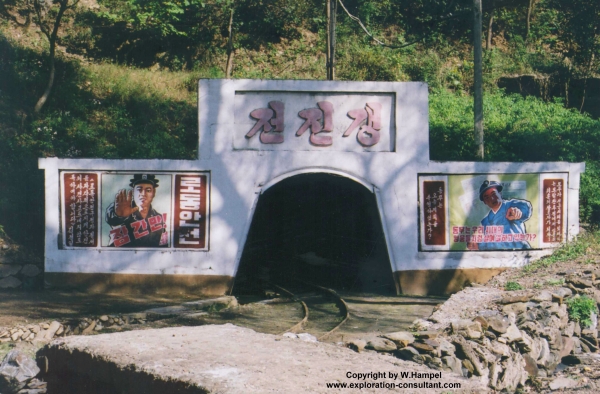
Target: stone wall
(19, 269)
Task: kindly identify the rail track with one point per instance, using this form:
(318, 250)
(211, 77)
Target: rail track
(276, 303)
(324, 310)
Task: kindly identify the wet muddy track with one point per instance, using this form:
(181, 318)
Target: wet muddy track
(324, 310)
(333, 315)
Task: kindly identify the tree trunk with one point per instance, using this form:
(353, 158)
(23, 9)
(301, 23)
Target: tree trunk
(529, 12)
(64, 5)
(42, 100)
(331, 19)
(478, 80)
(229, 67)
(488, 43)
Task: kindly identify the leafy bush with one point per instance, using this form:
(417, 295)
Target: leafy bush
(580, 309)
(512, 286)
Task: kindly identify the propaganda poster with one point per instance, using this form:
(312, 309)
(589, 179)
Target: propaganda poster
(135, 210)
(481, 212)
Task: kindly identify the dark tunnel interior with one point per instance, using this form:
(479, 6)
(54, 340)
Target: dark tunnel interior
(318, 228)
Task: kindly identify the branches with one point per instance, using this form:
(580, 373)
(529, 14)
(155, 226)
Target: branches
(50, 27)
(356, 19)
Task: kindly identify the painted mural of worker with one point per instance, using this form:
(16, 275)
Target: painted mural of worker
(509, 215)
(134, 222)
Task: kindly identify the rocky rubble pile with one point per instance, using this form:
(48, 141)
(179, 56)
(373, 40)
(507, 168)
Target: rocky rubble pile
(17, 375)
(514, 337)
(45, 332)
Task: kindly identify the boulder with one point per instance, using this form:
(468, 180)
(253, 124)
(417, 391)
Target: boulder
(500, 349)
(381, 345)
(467, 328)
(30, 270)
(513, 373)
(468, 365)
(553, 336)
(8, 270)
(511, 299)
(306, 337)
(482, 321)
(213, 304)
(562, 383)
(544, 351)
(512, 334)
(446, 348)
(563, 292)
(16, 371)
(498, 324)
(527, 345)
(424, 347)
(579, 283)
(410, 354)
(484, 354)
(400, 338)
(10, 282)
(452, 363)
(569, 329)
(543, 295)
(583, 359)
(433, 362)
(558, 310)
(427, 334)
(54, 327)
(518, 307)
(358, 345)
(465, 351)
(568, 345)
(587, 345)
(89, 329)
(530, 366)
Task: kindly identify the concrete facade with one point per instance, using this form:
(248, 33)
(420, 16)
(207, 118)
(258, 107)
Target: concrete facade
(241, 168)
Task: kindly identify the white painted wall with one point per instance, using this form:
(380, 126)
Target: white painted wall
(238, 177)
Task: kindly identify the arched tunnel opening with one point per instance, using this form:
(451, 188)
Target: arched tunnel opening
(319, 228)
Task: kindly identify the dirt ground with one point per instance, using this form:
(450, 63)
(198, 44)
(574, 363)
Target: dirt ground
(24, 307)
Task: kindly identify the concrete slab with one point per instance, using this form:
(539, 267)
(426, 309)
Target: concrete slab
(226, 359)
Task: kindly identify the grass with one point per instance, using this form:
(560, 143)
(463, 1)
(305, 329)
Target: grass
(582, 246)
(580, 309)
(555, 282)
(107, 79)
(512, 286)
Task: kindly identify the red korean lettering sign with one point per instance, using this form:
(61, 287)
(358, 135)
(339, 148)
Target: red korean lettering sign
(190, 221)
(80, 207)
(434, 212)
(553, 218)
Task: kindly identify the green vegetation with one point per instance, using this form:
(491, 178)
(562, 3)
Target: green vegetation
(555, 282)
(580, 309)
(583, 245)
(512, 286)
(126, 73)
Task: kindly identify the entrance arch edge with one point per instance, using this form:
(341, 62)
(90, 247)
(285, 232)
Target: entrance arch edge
(317, 170)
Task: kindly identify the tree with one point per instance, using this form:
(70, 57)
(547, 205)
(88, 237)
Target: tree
(48, 16)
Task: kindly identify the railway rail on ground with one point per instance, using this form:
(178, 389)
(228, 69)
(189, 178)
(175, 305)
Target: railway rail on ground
(320, 319)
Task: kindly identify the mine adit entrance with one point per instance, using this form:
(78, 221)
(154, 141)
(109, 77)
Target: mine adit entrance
(319, 228)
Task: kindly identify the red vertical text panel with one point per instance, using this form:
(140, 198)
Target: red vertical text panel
(434, 212)
(190, 221)
(553, 210)
(80, 205)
